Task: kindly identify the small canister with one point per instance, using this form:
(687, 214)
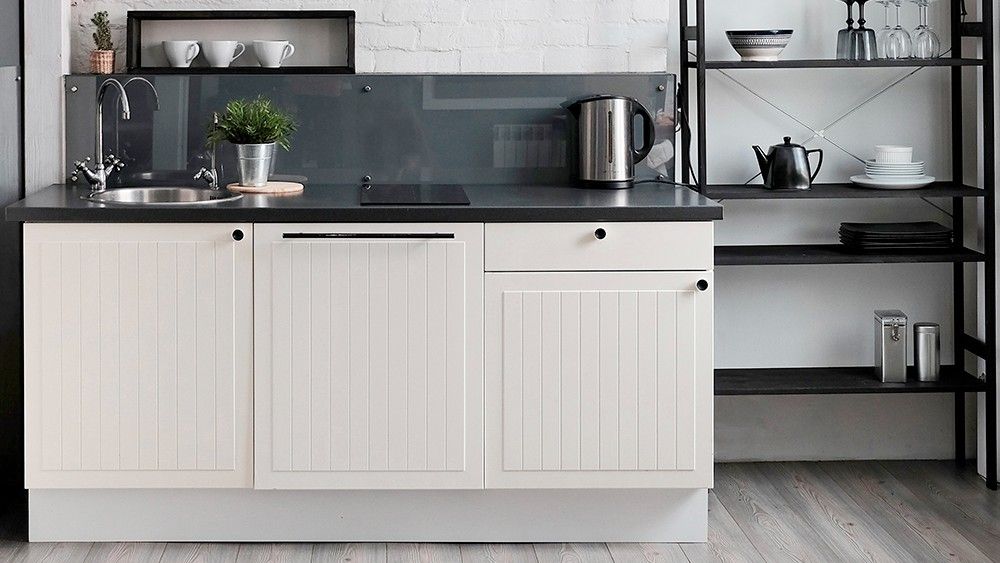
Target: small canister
(927, 351)
(890, 346)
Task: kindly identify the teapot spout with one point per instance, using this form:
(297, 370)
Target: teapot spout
(761, 161)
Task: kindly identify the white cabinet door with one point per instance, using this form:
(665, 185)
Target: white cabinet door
(138, 355)
(598, 379)
(368, 356)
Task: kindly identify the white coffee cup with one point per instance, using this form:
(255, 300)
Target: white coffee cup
(181, 53)
(220, 54)
(272, 53)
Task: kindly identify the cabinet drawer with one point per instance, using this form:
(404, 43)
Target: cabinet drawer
(532, 247)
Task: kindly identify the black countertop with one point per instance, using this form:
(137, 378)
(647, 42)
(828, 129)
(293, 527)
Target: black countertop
(341, 203)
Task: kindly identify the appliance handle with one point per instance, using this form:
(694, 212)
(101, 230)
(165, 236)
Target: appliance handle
(368, 235)
(818, 165)
(648, 133)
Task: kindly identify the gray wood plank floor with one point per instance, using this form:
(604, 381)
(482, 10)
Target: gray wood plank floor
(825, 511)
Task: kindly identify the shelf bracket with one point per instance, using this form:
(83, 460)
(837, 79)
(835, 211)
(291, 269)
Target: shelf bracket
(974, 345)
(691, 33)
(971, 29)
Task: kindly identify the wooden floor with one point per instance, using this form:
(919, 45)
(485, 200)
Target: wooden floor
(843, 511)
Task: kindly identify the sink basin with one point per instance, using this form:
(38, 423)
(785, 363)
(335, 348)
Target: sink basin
(162, 196)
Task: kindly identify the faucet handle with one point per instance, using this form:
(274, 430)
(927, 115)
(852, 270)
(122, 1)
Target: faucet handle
(113, 162)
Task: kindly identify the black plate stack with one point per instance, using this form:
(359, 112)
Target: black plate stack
(873, 237)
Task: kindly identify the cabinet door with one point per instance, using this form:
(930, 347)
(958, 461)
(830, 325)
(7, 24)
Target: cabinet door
(138, 355)
(368, 356)
(598, 379)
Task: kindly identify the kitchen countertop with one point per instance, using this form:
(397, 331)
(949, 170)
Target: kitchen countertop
(340, 203)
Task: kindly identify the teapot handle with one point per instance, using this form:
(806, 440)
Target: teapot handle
(818, 166)
(648, 133)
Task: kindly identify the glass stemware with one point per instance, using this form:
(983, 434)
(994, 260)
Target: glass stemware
(899, 45)
(844, 35)
(863, 43)
(926, 44)
(882, 38)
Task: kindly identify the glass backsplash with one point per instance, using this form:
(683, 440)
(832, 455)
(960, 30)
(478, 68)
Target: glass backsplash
(471, 129)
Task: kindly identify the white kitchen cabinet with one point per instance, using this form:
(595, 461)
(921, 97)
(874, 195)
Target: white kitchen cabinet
(138, 355)
(368, 356)
(598, 380)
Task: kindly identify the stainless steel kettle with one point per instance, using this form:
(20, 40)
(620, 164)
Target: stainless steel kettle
(606, 139)
(786, 166)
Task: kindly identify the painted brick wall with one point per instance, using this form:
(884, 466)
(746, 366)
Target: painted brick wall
(458, 35)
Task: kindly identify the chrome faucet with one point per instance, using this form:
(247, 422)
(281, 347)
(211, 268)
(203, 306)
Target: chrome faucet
(210, 176)
(104, 165)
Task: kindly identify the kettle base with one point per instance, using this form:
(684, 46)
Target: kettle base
(607, 185)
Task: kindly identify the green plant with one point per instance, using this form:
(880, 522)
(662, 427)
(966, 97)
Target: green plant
(251, 122)
(102, 31)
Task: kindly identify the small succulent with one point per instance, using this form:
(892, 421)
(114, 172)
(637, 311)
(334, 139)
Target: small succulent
(251, 122)
(102, 31)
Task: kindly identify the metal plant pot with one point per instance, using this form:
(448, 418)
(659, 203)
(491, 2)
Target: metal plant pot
(254, 163)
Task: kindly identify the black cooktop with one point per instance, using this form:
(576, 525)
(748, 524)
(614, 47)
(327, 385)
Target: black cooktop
(413, 194)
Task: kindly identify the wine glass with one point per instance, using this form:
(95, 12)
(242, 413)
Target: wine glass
(844, 35)
(882, 39)
(899, 44)
(926, 44)
(863, 43)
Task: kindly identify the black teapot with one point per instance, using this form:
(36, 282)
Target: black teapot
(786, 166)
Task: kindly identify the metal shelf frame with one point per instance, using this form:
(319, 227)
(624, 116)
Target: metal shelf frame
(692, 35)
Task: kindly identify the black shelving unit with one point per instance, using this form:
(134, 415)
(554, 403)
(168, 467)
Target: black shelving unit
(852, 380)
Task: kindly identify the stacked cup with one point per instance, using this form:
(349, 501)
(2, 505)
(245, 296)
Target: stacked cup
(893, 162)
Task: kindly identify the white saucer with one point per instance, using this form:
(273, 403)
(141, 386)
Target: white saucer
(871, 162)
(893, 183)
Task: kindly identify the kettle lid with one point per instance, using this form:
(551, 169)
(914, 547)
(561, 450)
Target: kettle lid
(788, 144)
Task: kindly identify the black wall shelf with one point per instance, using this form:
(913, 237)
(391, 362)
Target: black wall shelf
(837, 63)
(836, 381)
(838, 191)
(692, 113)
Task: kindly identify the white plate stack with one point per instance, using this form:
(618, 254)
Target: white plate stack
(893, 168)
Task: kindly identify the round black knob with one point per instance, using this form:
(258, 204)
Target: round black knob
(600, 234)
(702, 285)
(238, 234)
(366, 89)
(366, 179)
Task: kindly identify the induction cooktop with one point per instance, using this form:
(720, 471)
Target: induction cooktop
(413, 194)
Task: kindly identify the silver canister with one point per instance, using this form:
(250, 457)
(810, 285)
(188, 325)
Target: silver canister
(254, 164)
(890, 346)
(927, 351)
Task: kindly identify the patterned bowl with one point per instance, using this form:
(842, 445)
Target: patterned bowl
(759, 44)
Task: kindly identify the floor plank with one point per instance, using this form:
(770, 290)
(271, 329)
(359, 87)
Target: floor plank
(126, 552)
(647, 553)
(913, 524)
(353, 552)
(423, 553)
(200, 553)
(971, 512)
(53, 552)
(498, 553)
(726, 541)
(573, 553)
(833, 513)
(766, 517)
(275, 553)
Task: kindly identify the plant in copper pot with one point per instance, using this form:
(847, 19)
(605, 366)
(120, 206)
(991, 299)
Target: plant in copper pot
(102, 58)
(255, 127)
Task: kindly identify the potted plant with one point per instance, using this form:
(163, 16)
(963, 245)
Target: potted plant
(102, 58)
(255, 127)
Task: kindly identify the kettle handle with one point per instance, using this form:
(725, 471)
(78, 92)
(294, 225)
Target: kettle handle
(818, 165)
(648, 133)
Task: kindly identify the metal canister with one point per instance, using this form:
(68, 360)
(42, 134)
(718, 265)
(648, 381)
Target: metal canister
(890, 346)
(927, 351)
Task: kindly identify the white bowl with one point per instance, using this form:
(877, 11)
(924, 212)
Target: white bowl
(893, 154)
(760, 44)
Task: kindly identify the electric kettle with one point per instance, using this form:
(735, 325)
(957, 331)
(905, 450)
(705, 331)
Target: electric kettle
(786, 166)
(606, 136)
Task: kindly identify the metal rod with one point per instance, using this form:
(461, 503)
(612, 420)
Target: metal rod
(989, 204)
(684, 92)
(958, 222)
(700, 73)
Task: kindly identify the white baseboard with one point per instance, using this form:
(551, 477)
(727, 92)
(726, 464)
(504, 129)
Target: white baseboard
(359, 516)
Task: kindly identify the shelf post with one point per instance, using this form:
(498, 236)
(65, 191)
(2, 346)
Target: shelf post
(958, 222)
(989, 213)
(700, 73)
(684, 92)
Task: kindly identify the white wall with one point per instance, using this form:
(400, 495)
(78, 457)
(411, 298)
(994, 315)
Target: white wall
(777, 316)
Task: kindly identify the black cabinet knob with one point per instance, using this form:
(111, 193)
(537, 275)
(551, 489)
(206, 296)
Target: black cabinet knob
(238, 234)
(702, 285)
(600, 234)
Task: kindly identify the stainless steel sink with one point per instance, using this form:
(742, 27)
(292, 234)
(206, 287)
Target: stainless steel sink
(162, 196)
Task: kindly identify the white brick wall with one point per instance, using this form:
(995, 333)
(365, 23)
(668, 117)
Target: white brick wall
(458, 35)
